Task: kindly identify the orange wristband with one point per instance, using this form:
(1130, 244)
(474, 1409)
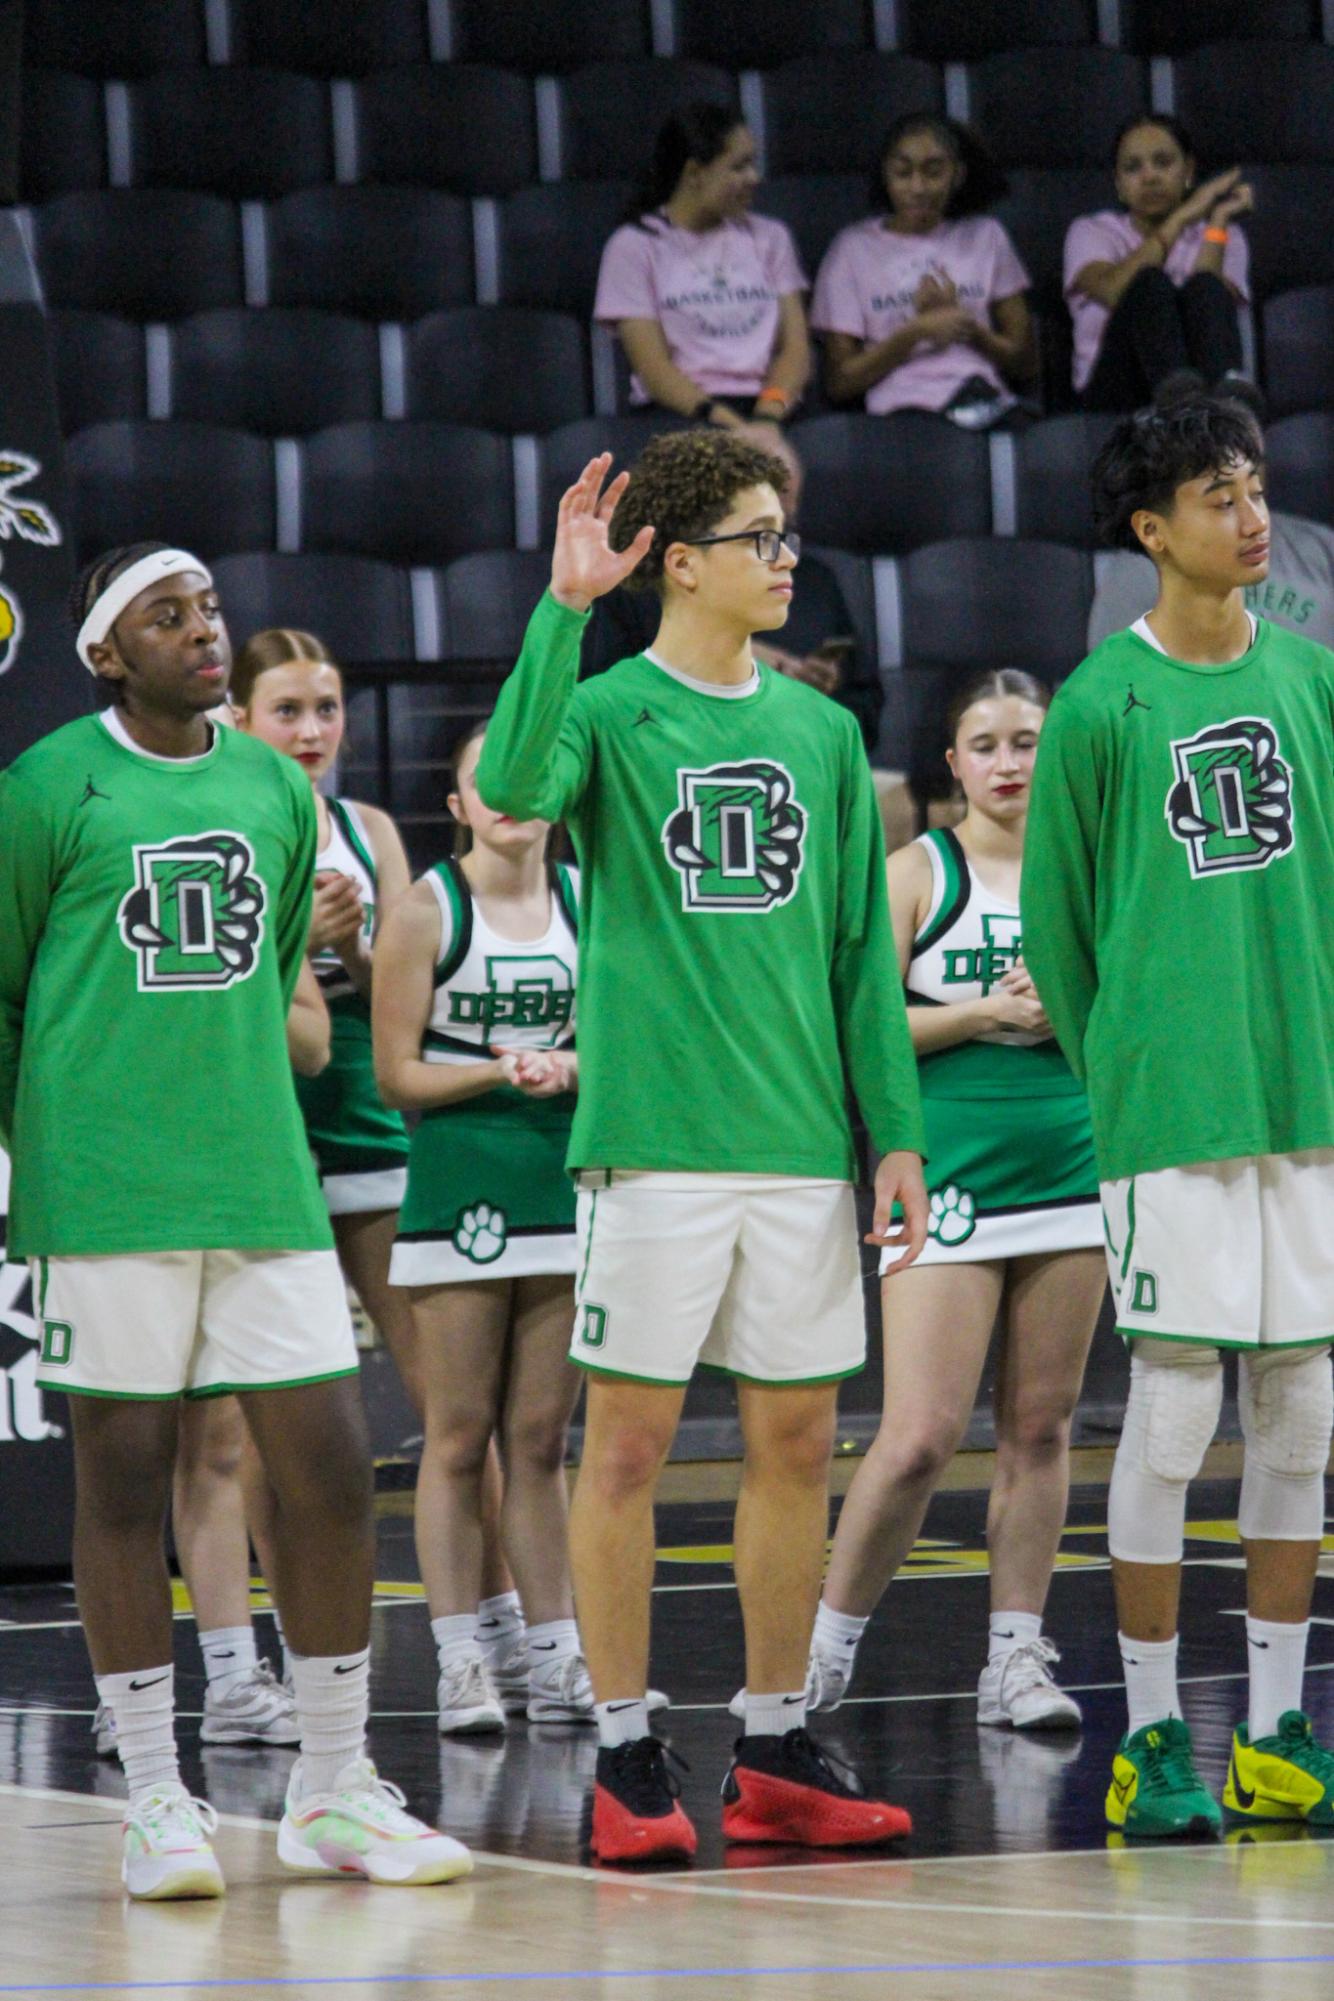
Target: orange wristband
(1215, 235)
(778, 397)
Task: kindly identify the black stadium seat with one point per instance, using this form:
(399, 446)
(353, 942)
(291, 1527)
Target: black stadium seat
(1286, 250)
(99, 365)
(114, 38)
(551, 241)
(1166, 27)
(964, 31)
(610, 112)
(243, 133)
(464, 126)
(278, 370)
(1039, 208)
(1299, 350)
(828, 113)
(386, 253)
(1300, 455)
(332, 38)
(883, 484)
(487, 600)
(1258, 101)
(360, 608)
(197, 485)
(755, 34)
(539, 36)
(503, 367)
(1056, 107)
(147, 253)
(417, 493)
(1054, 501)
(567, 451)
(62, 134)
(815, 207)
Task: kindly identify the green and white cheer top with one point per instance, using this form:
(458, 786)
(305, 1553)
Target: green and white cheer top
(1010, 1167)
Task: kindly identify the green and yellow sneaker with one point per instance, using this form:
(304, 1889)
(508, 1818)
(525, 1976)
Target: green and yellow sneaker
(1289, 1776)
(1155, 1789)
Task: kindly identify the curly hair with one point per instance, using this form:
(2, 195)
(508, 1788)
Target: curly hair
(685, 483)
(1149, 455)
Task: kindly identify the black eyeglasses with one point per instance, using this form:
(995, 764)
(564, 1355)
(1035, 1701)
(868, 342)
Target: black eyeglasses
(769, 542)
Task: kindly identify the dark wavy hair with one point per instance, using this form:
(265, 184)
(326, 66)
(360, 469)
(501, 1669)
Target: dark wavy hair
(685, 482)
(1152, 453)
(983, 181)
(699, 131)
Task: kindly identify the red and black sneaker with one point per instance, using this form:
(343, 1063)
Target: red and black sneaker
(637, 1815)
(786, 1789)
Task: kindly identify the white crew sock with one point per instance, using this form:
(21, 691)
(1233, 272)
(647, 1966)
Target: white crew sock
(500, 1626)
(143, 1704)
(622, 1722)
(774, 1715)
(838, 1633)
(455, 1637)
(551, 1643)
(333, 1694)
(1277, 1656)
(1009, 1631)
(1151, 1680)
(229, 1655)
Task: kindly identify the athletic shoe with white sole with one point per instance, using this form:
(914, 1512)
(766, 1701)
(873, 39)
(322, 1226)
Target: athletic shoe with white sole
(104, 1732)
(827, 1679)
(467, 1700)
(560, 1692)
(361, 1828)
(1020, 1689)
(166, 1851)
(254, 1709)
(513, 1685)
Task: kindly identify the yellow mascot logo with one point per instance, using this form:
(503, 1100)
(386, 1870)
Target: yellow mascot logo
(30, 521)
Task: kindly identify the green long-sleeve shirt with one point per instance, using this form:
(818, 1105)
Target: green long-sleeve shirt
(153, 916)
(735, 946)
(1177, 894)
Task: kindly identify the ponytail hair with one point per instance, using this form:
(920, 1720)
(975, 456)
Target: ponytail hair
(986, 687)
(698, 132)
(278, 646)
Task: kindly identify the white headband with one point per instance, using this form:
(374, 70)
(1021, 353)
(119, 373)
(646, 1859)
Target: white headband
(108, 607)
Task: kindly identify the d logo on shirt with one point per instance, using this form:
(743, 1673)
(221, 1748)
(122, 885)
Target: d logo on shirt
(737, 838)
(1231, 805)
(195, 918)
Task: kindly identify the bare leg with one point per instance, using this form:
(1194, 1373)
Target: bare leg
(364, 1242)
(782, 1518)
(540, 1394)
(1052, 1307)
(463, 1333)
(938, 1323)
(124, 1453)
(208, 1512)
(1280, 1580)
(313, 1444)
(628, 1431)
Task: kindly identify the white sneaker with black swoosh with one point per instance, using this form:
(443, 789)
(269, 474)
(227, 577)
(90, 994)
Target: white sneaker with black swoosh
(559, 1690)
(466, 1698)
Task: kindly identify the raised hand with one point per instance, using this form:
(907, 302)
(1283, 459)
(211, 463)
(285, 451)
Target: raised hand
(1238, 201)
(584, 565)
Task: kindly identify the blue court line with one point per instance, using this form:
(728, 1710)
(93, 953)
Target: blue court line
(604, 1973)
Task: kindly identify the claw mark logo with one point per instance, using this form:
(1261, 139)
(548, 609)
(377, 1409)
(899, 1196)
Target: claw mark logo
(480, 1233)
(30, 521)
(195, 918)
(1231, 805)
(737, 837)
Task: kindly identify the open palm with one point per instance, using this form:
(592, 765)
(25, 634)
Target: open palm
(584, 565)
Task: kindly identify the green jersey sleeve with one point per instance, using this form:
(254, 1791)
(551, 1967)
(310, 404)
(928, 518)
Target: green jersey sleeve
(294, 897)
(538, 751)
(864, 979)
(1057, 891)
(26, 873)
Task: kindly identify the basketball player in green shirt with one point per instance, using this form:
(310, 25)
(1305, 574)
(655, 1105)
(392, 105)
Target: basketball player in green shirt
(1177, 888)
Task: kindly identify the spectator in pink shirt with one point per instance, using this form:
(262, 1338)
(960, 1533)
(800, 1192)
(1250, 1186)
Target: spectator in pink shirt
(1153, 287)
(922, 305)
(706, 298)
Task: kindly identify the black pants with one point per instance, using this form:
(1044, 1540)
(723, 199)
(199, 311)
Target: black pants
(1157, 327)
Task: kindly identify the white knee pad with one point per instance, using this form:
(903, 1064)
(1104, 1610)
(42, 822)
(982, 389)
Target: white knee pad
(1286, 1404)
(1176, 1393)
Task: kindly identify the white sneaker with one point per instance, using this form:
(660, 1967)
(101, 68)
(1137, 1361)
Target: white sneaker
(466, 1698)
(166, 1850)
(104, 1732)
(560, 1692)
(510, 1680)
(1020, 1689)
(255, 1709)
(827, 1681)
(361, 1829)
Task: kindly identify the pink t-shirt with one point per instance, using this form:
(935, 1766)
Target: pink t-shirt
(1107, 237)
(714, 293)
(866, 287)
